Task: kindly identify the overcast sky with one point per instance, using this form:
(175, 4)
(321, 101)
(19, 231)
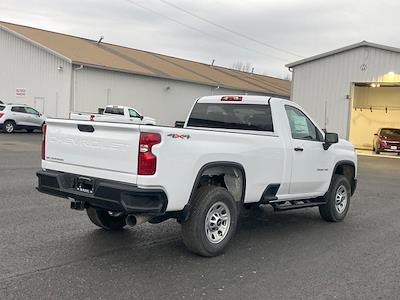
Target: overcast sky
(302, 27)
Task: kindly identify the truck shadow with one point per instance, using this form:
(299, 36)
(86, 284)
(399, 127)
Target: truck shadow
(256, 228)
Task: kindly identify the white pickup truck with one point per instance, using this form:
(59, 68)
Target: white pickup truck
(232, 152)
(116, 114)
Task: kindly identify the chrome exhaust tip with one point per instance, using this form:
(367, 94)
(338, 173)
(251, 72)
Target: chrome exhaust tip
(133, 220)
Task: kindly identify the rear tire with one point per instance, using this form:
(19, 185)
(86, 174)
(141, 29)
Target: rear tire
(338, 200)
(103, 219)
(9, 126)
(212, 222)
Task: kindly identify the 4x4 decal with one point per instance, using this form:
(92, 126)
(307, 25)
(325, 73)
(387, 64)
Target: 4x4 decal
(179, 136)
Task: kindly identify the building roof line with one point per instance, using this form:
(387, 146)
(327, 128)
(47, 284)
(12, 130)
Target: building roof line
(239, 78)
(259, 80)
(109, 56)
(112, 44)
(343, 49)
(23, 37)
(184, 80)
(182, 67)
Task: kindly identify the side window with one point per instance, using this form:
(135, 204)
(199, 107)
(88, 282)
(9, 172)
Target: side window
(301, 126)
(19, 109)
(31, 111)
(133, 113)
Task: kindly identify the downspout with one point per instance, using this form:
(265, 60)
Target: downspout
(291, 83)
(73, 83)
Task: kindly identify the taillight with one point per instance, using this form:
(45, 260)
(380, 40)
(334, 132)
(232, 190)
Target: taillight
(147, 161)
(231, 98)
(1, 114)
(44, 128)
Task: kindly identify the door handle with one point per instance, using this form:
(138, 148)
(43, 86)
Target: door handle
(298, 149)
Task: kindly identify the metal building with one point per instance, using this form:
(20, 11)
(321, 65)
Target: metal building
(354, 90)
(58, 73)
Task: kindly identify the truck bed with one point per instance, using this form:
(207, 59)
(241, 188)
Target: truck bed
(110, 151)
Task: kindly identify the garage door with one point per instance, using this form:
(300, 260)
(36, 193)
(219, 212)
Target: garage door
(374, 107)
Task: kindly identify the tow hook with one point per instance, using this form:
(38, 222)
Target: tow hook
(77, 205)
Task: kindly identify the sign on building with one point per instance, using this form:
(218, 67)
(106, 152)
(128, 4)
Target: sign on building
(20, 92)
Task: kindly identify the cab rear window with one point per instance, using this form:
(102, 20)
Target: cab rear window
(2, 107)
(232, 116)
(114, 110)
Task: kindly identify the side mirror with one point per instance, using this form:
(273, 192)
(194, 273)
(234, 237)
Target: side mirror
(375, 134)
(179, 124)
(330, 138)
(141, 118)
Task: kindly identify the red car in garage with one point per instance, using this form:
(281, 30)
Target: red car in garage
(387, 139)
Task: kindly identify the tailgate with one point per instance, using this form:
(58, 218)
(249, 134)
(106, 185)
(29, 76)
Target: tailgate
(97, 149)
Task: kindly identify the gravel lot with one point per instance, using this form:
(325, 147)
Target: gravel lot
(48, 251)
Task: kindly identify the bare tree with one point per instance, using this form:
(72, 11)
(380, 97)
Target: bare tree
(242, 66)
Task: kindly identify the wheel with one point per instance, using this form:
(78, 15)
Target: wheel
(212, 222)
(338, 200)
(9, 126)
(105, 219)
(30, 130)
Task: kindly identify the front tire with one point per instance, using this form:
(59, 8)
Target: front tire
(377, 150)
(337, 200)
(212, 222)
(9, 127)
(105, 219)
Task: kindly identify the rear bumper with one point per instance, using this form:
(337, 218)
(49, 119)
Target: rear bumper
(107, 194)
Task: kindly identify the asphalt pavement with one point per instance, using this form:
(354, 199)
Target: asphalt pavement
(48, 251)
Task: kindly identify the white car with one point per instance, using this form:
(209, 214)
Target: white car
(233, 152)
(115, 113)
(20, 116)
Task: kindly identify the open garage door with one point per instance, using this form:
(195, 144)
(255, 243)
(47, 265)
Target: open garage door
(375, 106)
